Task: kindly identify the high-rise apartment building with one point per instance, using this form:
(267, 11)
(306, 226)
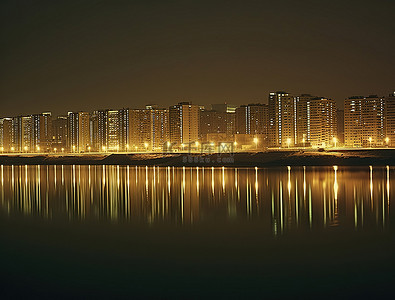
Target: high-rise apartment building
(159, 127)
(323, 122)
(124, 129)
(340, 126)
(390, 120)
(184, 123)
(79, 131)
(140, 129)
(113, 130)
(5, 134)
(60, 132)
(253, 119)
(22, 134)
(303, 119)
(364, 121)
(282, 120)
(212, 122)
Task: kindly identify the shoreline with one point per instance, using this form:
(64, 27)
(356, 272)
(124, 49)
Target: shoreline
(378, 157)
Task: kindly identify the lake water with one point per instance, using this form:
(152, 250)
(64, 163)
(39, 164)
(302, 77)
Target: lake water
(120, 231)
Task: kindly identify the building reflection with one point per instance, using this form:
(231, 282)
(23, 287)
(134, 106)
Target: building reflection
(283, 199)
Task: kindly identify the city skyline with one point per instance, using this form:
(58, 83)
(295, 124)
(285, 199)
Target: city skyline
(263, 100)
(287, 121)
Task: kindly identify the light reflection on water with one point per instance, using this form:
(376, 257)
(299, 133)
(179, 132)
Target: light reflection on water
(284, 198)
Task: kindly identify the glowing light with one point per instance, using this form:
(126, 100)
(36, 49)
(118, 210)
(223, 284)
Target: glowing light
(334, 141)
(288, 142)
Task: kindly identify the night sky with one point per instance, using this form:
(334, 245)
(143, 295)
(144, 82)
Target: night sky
(83, 55)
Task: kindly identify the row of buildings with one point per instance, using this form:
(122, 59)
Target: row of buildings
(286, 121)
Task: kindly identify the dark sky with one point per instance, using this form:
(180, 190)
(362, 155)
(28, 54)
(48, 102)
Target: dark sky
(82, 55)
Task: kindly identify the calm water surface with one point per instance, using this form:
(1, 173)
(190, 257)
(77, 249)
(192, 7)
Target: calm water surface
(120, 231)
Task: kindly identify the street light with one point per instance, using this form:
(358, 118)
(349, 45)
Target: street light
(62, 150)
(146, 147)
(103, 148)
(256, 143)
(288, 142)
(2, 149)
(54, 149)
(370, 142)
(38, 149)
(74, 148)
(335, 141)
(387, 140)
(89, 148)
(25, 148)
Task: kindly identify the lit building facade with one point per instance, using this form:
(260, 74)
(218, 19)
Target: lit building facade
(390, 120)
(364, 121)
(322, 122)
(253, 119)
(79, 131)
(140, 129)
(159, 128)
(282, 120)
(60, 132)
(184, 123)
(5, 134)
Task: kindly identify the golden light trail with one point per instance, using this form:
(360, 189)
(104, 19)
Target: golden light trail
(55, 175)
(197, 180)
(281, 206)
(236, 178)
(289, 182)
(355, 210)
(118, 180)
(304, 183)
(182, 194)
(371, 185)
(256, 184)
(104, 175)
(310, 209)
(212, 180)
(223, 179)
(388, 185)
(296, 203)
(168, 179)
(324, 210)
